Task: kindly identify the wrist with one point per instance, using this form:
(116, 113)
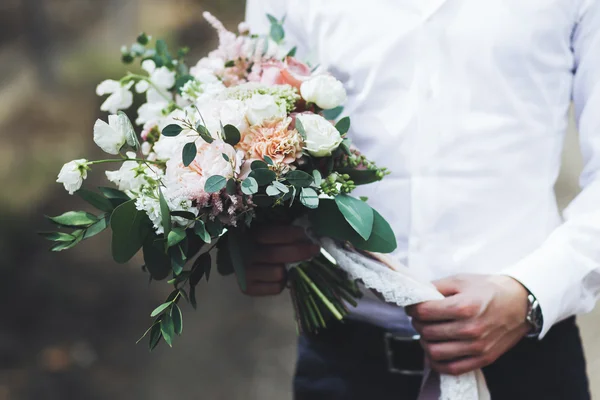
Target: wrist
(530, 308)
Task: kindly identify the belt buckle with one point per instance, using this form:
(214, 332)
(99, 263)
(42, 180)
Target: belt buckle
(387, 340)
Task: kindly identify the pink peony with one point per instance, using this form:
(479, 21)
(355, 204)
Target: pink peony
(291, 72)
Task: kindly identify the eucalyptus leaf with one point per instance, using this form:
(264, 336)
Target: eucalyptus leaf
(184, 214)
(272, 19)
(157, 261)
(204, 133)
(177, 319)
(231, 135)
(292, 52)
(300, 128)
(258, 164)
(165, 213)
(263, 176)
(277, 33)
(96, 228)
(95, 199)
(360, 177)
(343, 125)
(167, 328)
(74, 219)
(214, 227)
(172, 130)
(299, 178)
(130, 227)
(239, 251)
(281, 187)
(317, 178)
(268, 160)
(57, 236)
(309, 198)
(178, 259)
(272, 191)
(200, 230)
(215, 183)
(249, 186)
(175, 236)
(231, 187)
(333, 113)
(199, 268)
(189, 153)
(357, 213)
(155, 336)
(158, 310)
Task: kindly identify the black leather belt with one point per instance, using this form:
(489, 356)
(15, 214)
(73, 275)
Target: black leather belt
(387, 351)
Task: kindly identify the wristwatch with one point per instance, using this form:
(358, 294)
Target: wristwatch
(534, 316)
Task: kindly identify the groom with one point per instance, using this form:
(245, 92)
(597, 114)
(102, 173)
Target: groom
(466, 103)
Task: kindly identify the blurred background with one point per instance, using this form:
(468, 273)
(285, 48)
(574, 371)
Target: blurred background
(69, 321)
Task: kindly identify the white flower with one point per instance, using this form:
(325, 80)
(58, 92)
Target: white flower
(211, 161)
(215, 65)
(322, 138)
(120, 97)
(152, 110)
(220, 113)
(133, 176)
(151, 205)
(112, 136)
(262, 107)
(72, 174)
(323, 90)
(161, 78)
(146, 148)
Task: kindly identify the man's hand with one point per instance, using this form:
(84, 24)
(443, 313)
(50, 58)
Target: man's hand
(275, 247)
(481, 318)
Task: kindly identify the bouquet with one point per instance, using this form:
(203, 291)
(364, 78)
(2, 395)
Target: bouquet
(248, 136)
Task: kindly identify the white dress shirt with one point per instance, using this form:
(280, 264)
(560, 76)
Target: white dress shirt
(466, 102)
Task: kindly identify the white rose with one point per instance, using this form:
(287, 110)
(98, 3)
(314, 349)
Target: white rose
(323, 90)
(72, 174)
(217, 113)
(263, 107)
(120, 97)
(322, 138)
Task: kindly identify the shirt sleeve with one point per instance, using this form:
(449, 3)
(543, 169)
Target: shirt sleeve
(564, 273)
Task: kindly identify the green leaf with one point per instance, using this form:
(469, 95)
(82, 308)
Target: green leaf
(200, 230)
(178, 259)
(231, 135)
(225, 157)
(116, 196)
(74, 219)
(300, 128)
(263, 176)
(167, 328)
(360, 177)
(269, 160)
(96, 228)
(158, 310)
(333, 114)
(272, 191)
(215, 183)
(184, 214)
(193, 297)
(172, 130)
(161, 48)
(204, 133)
(328, 221)
(177, 319)
(258, 164)
(60, 246)
(231, 187)
(96, 200)
(249, 186)
(181, 81)
(229, 64)
(130, 228)
(272, 19)
(238, 253)
(299, 178)
(215, 227)
(309, 198)
(292, 52)
(343, 126)
(317, 178)
(277, 33)
(175, 236)
(165, 213)
(131, 137)
(157, 261)
(57, 236)
(357, 213)
(155, 336)
(281, 187)
(202, 263)
(189, 153)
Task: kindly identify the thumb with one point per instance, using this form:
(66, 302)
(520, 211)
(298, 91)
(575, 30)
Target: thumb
(449, 286)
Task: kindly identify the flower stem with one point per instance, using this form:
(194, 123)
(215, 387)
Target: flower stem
(316, 290)
(123, 160)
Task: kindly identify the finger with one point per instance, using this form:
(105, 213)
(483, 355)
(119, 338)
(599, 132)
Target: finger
(266, 273)
(459, 367)
(445, 351)
(259, 289)
(449, 286)
(280, 234)
(449, 309)
(283, 254)
(445, 331)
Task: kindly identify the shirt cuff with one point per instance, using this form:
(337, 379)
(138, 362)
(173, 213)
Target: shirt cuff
(545, 273)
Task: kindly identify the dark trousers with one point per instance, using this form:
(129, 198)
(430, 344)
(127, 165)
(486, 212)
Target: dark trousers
(348, 362)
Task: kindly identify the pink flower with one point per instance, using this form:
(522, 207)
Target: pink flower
(291, 72)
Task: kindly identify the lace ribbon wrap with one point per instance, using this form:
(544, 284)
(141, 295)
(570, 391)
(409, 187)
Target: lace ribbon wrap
(398, 285)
